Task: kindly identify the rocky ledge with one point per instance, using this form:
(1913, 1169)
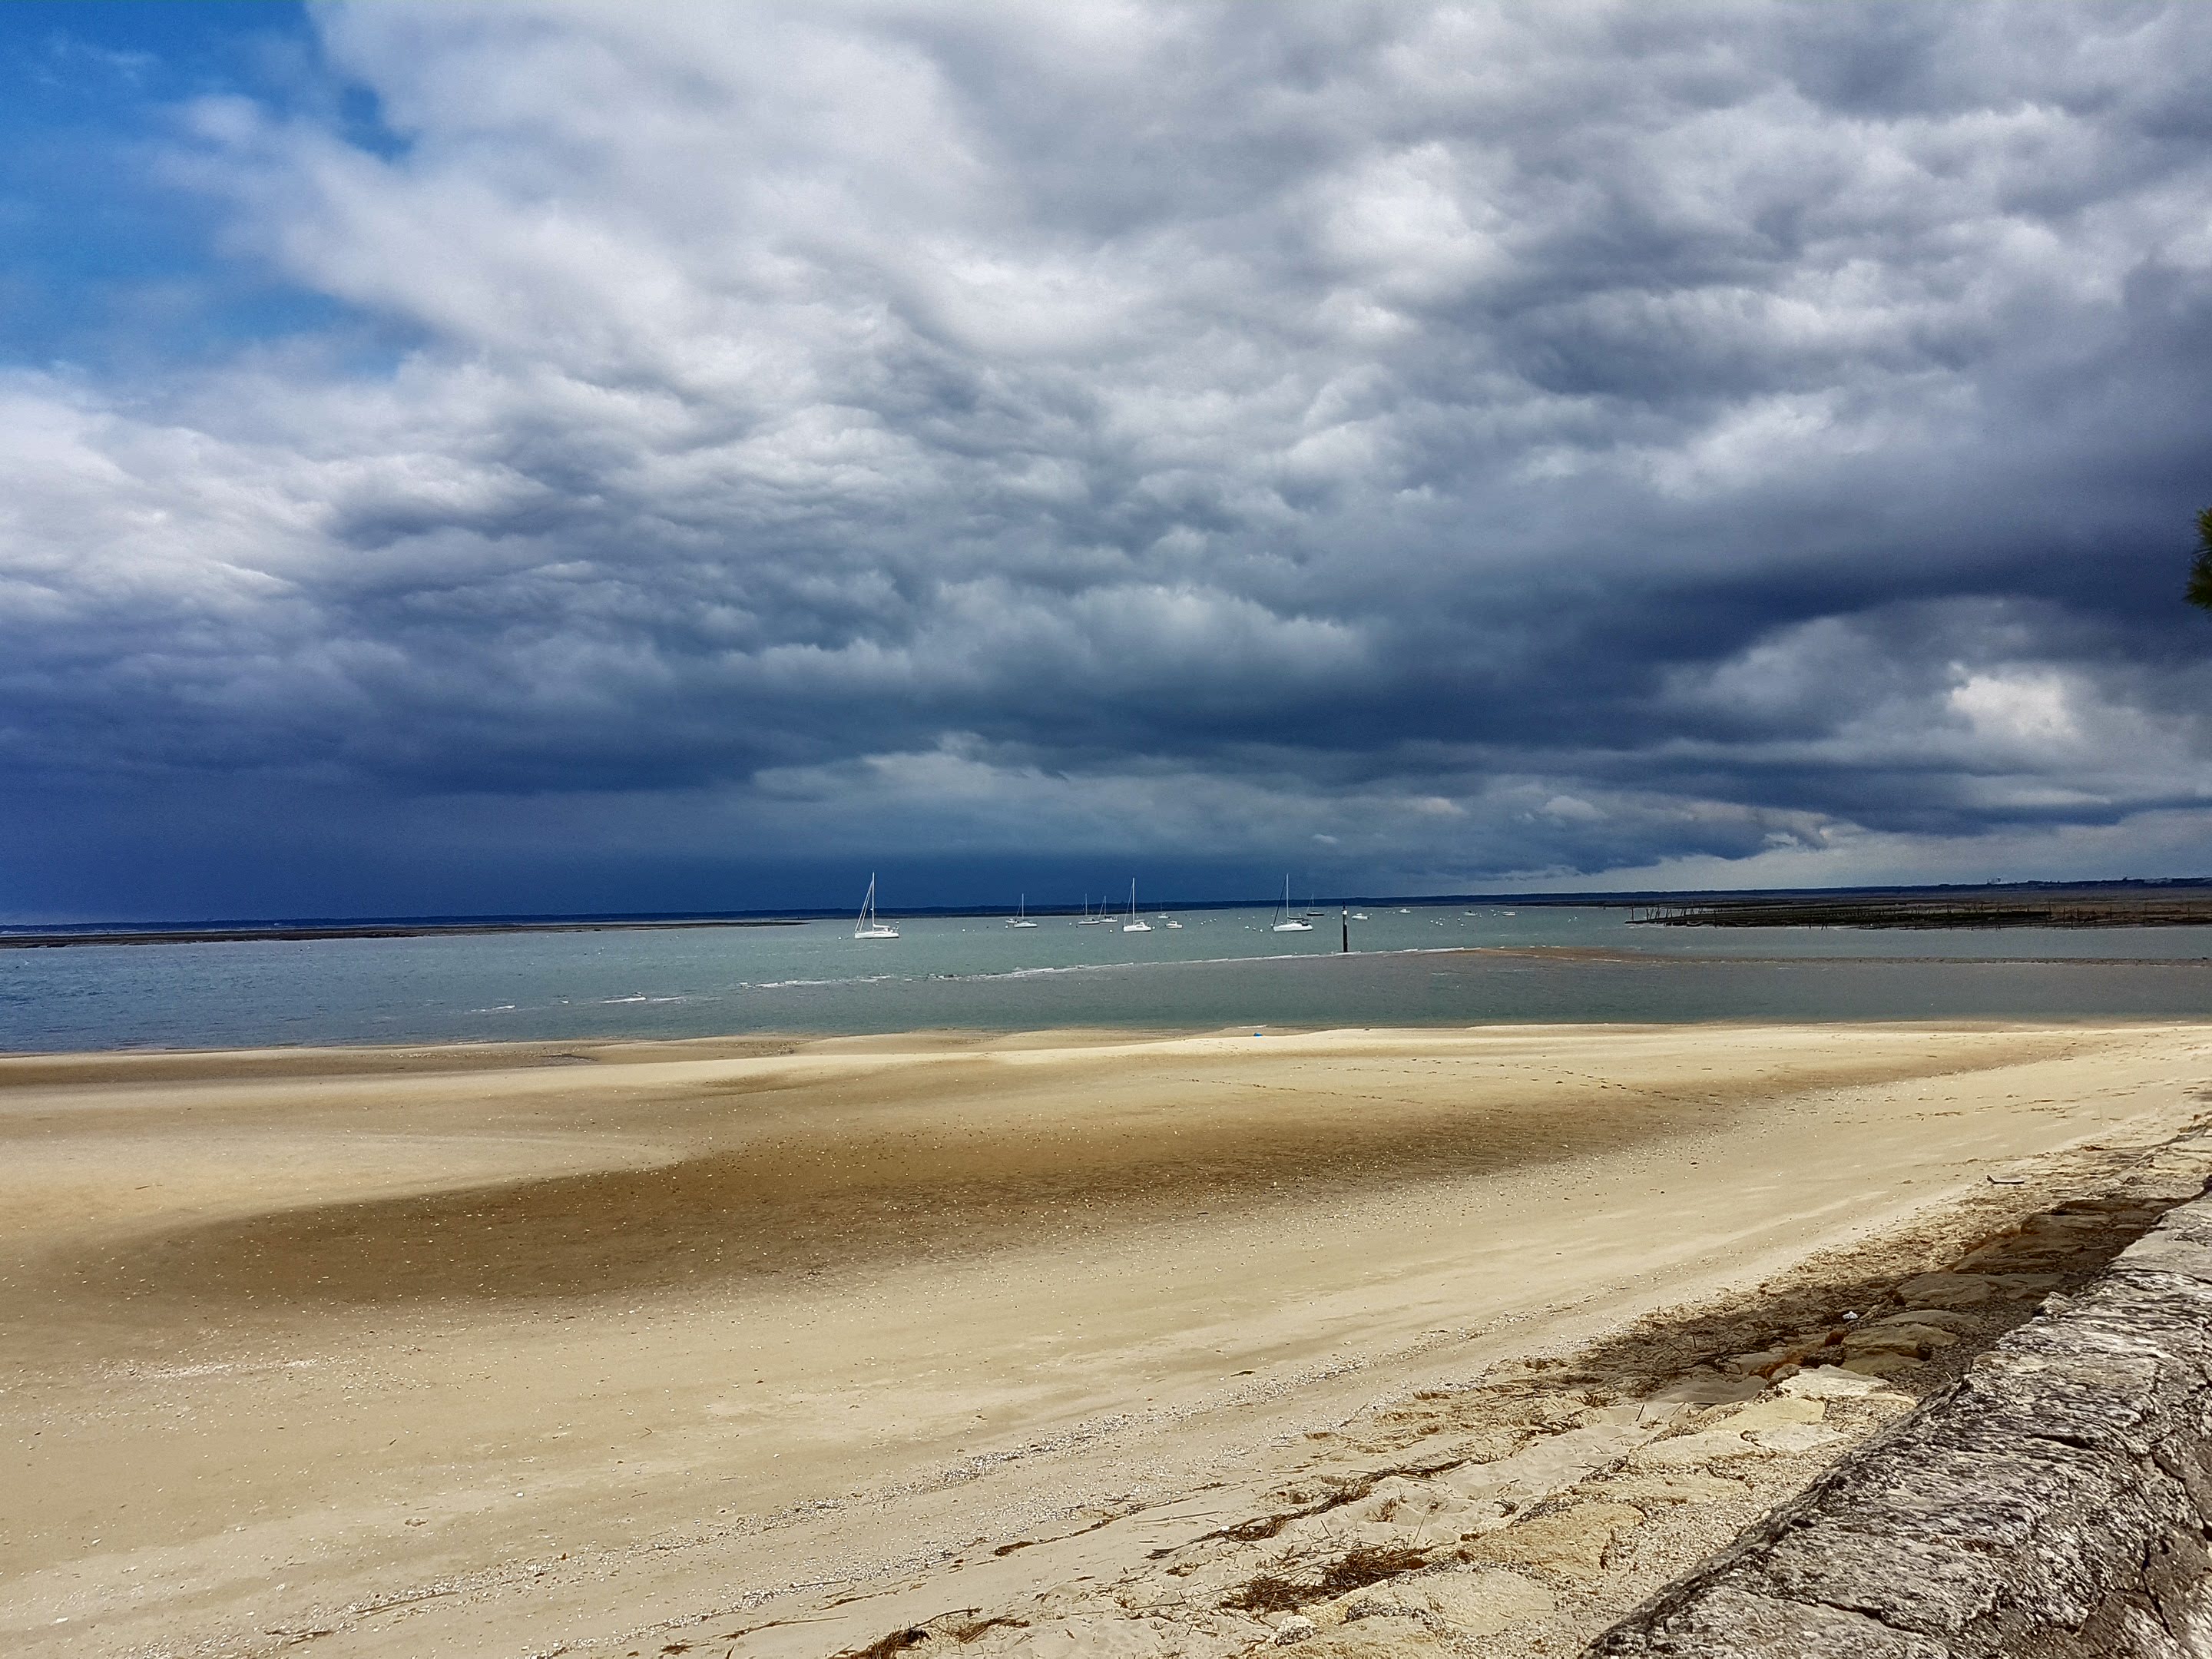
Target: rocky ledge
(2055, 1502)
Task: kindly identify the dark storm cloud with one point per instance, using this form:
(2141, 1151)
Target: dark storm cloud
(1500, 443)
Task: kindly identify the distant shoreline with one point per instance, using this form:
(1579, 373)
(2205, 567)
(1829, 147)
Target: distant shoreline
(2159, 908)
(280, 932)
(2165, 902)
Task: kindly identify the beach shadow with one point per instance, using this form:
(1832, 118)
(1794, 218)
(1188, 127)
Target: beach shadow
(811, 1205)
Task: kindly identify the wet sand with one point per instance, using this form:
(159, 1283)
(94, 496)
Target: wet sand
(519, 1349)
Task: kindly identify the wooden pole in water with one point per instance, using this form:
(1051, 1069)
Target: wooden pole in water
(1348, 931)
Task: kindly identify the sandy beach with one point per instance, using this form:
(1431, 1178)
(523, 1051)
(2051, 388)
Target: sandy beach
(805, 1347)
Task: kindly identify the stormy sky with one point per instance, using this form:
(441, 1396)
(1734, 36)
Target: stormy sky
(569, 457)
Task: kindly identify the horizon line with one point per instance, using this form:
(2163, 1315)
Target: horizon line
(227, 927)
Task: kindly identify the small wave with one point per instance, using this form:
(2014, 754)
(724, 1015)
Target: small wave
(612, 1002)
(1211, 962)
(792, 984)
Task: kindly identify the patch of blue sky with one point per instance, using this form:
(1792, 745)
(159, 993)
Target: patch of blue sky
(106, 263)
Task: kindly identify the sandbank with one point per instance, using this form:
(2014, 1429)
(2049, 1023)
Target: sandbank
(529, 1348)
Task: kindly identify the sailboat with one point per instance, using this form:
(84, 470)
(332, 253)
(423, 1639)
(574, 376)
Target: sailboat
(1136, 924)
(1021, 916)
(1284, 921)
(1087, 919)
(868, 926)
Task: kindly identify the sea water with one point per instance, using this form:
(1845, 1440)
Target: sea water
(1418, 965)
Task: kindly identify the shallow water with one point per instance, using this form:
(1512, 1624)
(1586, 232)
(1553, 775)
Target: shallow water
(1421, 965)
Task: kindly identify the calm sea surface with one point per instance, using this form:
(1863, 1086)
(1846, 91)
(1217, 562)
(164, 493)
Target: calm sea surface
(1419, 966)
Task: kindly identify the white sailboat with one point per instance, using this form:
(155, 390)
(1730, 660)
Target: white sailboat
(1090, 920)
(1136, 924)
(1021, 916)
(1284, 921)
(868, 926)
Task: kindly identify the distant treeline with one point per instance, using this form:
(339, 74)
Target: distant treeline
(2187, 907)
(294, 933)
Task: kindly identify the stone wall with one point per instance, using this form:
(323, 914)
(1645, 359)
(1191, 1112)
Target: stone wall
(2055, 1502)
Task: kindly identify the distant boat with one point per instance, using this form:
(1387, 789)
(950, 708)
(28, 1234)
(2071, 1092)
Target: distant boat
(1284, 921)
(868, 926)
(1175, 924)
(1021, 916)
(1136, 924)
(1359, 915)
(1089, 920)
(1403, 911)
